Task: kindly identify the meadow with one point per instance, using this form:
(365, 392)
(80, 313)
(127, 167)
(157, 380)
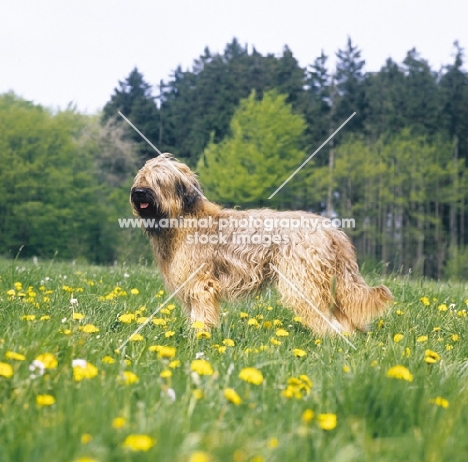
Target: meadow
(260, 388)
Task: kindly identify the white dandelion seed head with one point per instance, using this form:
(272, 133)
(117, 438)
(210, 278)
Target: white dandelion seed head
(37, 368)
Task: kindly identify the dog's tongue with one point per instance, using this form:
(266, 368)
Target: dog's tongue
(144, 205)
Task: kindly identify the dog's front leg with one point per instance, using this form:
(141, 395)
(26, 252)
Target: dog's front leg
(204, 301)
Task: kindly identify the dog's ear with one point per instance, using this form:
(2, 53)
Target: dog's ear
(189, 196)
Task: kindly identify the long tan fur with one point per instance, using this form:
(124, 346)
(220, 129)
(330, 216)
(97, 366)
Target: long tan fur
(321, 263)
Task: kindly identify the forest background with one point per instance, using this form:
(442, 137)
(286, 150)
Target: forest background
(245, 121)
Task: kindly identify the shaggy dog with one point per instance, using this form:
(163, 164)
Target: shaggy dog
(226, 254)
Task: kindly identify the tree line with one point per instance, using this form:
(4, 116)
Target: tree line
(244, 121)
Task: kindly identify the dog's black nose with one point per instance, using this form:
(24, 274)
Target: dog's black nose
(139, 193)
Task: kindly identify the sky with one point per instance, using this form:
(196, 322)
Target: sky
(56, 52)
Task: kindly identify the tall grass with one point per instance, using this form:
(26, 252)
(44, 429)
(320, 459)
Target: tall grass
(185, 415)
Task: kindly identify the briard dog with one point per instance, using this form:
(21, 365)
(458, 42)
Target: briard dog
(209, 253)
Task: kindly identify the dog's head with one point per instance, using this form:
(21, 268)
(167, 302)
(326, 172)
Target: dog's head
(165, 188)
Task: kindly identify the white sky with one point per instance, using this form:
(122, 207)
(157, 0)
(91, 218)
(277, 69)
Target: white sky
(59, 51)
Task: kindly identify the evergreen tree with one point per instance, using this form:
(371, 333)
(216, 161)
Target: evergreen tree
(350, 85)
(420, 94)
(134, 99)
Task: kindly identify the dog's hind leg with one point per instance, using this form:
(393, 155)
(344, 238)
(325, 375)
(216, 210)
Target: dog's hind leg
(202, 296)
(310, 306)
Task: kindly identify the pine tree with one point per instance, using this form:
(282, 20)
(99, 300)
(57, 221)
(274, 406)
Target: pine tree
(350, 85)
(134, 99)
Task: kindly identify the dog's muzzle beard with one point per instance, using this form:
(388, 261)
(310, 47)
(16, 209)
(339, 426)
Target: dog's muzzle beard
(145, 204)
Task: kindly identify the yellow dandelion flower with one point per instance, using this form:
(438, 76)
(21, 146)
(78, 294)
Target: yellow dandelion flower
(28, 317)
(228, 342)
(422, 339)
(84, 371)
(11, 293)
(327, 421)
(281, 333)
(136, 338)
(380, 324)
(275, 341)
(318, 342)
(407, 352)
(298, 319)
(6, 370)
(298, 353)
(243, 315)
(273, 443)
(142, 319)
(251, 375)
(165, 311)
(78, 316)
(129, 377)
(169, 333)
(85, 459)
(139, 442)
(15, 356)
(66, 332)
(222, 349)
(231, 395)
(89, 329)
(346, 369)
(159, 322)
(431, 357)
(127, 318)
(203, 334)
(108, 360)
(44, 400)
(18, 286)
(307, 416)
(455, 337)
(267, 325)
(201, 367)
(442, 402)
(253, 322)
(86, 438)
(48, 359)
(174, 364)
(306, 382)
(198, 394)
(118, 422)
(425, 301)
(399, 312)
(198, 325)
(449, 347)
(398, 338)
(44, 318)
(199, 456)
(134, 291)
(374, 363)
(442, 307)
(165, 374)
(166, 352)
(400, 372)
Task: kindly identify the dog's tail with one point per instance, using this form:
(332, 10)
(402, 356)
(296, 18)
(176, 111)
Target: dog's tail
(361, 303)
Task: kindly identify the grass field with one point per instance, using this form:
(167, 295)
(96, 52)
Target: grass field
(260, 388)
